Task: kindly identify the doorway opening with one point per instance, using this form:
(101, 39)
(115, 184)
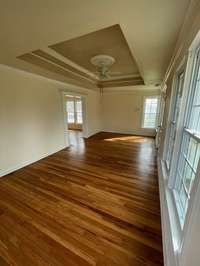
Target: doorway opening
(74, 118)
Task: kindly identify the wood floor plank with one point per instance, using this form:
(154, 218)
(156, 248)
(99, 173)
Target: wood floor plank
(95, 203)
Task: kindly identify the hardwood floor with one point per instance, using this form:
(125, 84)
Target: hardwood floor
(95, 203)
(76, 137)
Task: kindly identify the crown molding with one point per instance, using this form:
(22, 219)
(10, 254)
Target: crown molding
(48, 57)
(129, 81)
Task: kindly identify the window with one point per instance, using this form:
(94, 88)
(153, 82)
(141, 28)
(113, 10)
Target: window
(174, 117)
(70, 111)
(74, 110)
(150, 115)
(79, 112)
(189, 152)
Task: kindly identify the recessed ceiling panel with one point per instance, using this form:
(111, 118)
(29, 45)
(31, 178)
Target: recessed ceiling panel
(109, 41)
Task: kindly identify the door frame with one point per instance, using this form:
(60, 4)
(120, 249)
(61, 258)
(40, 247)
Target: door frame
(84, 113)
(75, 125)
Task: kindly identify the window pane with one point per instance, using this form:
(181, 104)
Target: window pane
(194, 118)
(70, 117)
(196, 161)
(191, 153)
(79, 106)
(197, 92)
(70, 106)
(154, 101)
(153, 108)
(187, 175)
(79, 118)
(70, 111)
(172, 133)
(187, 167)
(180, 83)
(150, 112)
(174, 117)
(183, 200)
(147, 108)
(79, 112)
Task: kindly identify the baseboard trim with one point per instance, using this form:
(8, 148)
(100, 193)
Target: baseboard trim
(92, 134)
(21, 165)
(142, 134)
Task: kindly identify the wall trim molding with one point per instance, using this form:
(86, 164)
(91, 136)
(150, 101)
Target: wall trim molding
(23, 164)
(133, 88)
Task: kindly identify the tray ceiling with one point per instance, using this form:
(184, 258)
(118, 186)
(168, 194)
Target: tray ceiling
(109, 41)
(80, 50)
(150, 30)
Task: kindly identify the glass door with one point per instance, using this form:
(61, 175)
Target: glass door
(74, 112)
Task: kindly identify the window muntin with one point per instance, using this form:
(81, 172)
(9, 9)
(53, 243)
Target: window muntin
(150, 112)
(174, 118)
(189, 152)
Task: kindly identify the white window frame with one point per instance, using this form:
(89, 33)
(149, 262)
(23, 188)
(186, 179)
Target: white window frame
(186, 133)
(157, 111)
(185, 109)
(177, 93)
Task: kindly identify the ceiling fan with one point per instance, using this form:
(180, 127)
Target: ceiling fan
(103, 63)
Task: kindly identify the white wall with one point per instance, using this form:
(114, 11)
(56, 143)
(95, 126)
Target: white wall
(31, 117)
(122, 109)
(93, 109)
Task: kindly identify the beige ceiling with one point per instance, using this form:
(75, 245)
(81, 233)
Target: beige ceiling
(109, 41)
(80, 50)
(150, 28)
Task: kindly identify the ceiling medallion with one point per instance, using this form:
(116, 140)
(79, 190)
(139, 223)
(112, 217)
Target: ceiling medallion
(102, 63)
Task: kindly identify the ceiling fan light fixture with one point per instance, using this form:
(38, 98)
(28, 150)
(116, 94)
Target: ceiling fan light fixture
(102, 63)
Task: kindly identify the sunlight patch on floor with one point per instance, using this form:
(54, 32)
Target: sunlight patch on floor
(128, 139)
